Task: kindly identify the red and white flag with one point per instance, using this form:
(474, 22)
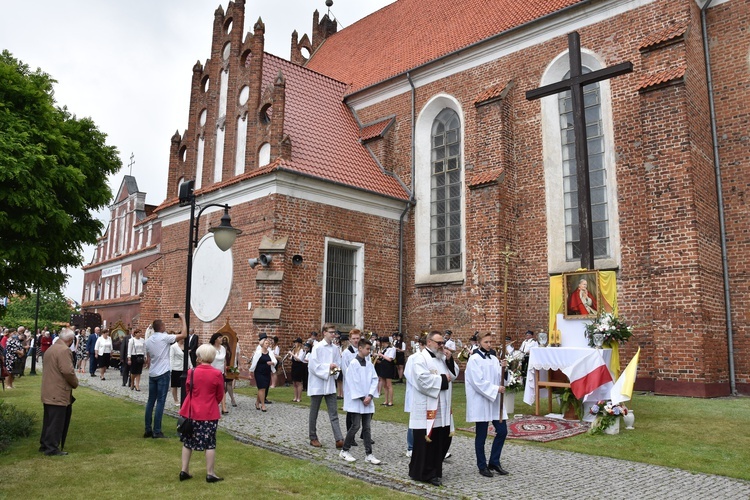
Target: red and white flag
(588, 374)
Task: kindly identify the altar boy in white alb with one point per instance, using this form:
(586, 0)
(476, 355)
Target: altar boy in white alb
(483, 390)
(324, 367)
(431, 416)
(360, 387)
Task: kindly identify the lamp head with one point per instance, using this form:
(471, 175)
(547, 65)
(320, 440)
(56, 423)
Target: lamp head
(224, 233)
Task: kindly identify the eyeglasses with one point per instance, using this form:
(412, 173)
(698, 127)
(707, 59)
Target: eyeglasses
(439, 343)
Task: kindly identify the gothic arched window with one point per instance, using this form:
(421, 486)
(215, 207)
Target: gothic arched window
(445, 193)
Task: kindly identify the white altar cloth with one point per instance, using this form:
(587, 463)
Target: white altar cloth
(556, 358)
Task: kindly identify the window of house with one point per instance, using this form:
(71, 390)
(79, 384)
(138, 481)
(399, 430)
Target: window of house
(597, 172)
(344, 284)
(561, 188)
(445, 199)
(439, 180)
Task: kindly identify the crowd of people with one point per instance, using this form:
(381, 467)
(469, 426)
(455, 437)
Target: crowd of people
(353, 366)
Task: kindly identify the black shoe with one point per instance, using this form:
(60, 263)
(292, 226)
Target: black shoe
(498, 469)
(269, 402)
(93, 375)
(184, 476)
(486, 472)
(213, 479)
(56, 453)
(159, 435)
(435, 481)
(148, 434)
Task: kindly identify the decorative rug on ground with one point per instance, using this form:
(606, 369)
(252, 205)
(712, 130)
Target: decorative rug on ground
(541, 429)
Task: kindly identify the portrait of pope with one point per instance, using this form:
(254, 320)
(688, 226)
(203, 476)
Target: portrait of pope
(581, 294)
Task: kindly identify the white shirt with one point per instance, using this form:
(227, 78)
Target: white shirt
(103, 346)
(482, 383)
(528, 344)
(319, 379)
(360, 382)
(136, 346)
(408, 375)
(219, 360)
(176, 359)
(157, 349)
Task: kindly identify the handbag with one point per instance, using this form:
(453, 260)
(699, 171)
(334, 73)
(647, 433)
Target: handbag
(185, 424)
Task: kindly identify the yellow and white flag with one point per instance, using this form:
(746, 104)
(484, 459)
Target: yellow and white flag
(623, 388)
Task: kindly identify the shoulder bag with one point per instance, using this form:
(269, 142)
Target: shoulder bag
(185, 424)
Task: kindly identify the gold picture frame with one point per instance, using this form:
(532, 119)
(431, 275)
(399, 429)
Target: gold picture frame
(579, 305)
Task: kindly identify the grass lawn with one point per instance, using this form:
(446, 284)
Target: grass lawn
(698, 435)
(109, 458)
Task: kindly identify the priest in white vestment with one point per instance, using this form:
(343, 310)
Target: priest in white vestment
(430, 404)
(323, 367)
(483, 394)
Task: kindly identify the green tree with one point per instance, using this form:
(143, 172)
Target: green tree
(53, 308)
(53, 178)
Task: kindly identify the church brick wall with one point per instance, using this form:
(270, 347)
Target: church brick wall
(729, 41)
(667, 209)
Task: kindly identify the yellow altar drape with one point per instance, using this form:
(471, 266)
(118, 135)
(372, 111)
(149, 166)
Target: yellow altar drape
(607, 287)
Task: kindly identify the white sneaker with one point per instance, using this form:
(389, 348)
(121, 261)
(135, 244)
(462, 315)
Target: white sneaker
(408, 453)
(347, 456)
(371, 458)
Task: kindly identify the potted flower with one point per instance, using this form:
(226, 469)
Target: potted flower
(608, 417)
(570, 406)
(608, 329)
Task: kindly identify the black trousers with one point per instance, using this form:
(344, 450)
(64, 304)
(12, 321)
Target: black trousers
(53, 427)
(427, 457)
(125, 370)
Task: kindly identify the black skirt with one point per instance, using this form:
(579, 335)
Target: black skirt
(299, 371)
(176, 378)
(136, 364)
(104, 360)
(385, 369)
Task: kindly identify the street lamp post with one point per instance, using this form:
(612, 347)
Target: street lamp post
(224, 236)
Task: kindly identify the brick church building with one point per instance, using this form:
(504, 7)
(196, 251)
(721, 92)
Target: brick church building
(383, 168)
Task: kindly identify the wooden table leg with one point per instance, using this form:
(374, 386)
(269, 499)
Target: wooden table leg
(549, 394)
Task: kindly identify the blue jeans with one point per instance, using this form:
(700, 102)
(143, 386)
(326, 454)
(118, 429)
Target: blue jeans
(501, 431)
(158, 387)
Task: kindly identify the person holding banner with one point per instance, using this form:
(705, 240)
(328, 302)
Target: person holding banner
(431, 416)
(483, 395)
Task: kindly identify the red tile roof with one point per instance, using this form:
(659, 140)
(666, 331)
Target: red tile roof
(375, 130)
(661, 36)
(484, 178)
(409, 33)
(324, 134)
(661, 77)
(491, 93)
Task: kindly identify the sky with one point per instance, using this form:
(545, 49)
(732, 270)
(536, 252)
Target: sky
(128, 64)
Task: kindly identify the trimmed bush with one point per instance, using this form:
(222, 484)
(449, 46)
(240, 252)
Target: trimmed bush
(14, 424)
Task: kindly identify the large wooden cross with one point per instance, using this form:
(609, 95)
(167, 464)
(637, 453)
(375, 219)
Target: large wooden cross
(575, 84)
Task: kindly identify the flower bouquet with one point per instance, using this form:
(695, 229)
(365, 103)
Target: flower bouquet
(606, 415)
(233, 370)
(607, 329)
(513, 374)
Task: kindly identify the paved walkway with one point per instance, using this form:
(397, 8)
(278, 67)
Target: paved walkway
(536, 473)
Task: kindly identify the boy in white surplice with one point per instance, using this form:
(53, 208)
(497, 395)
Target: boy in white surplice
(483, 390)
(360, 387)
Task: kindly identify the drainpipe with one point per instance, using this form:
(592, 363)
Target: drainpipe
(720, 198)
(411, 203)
